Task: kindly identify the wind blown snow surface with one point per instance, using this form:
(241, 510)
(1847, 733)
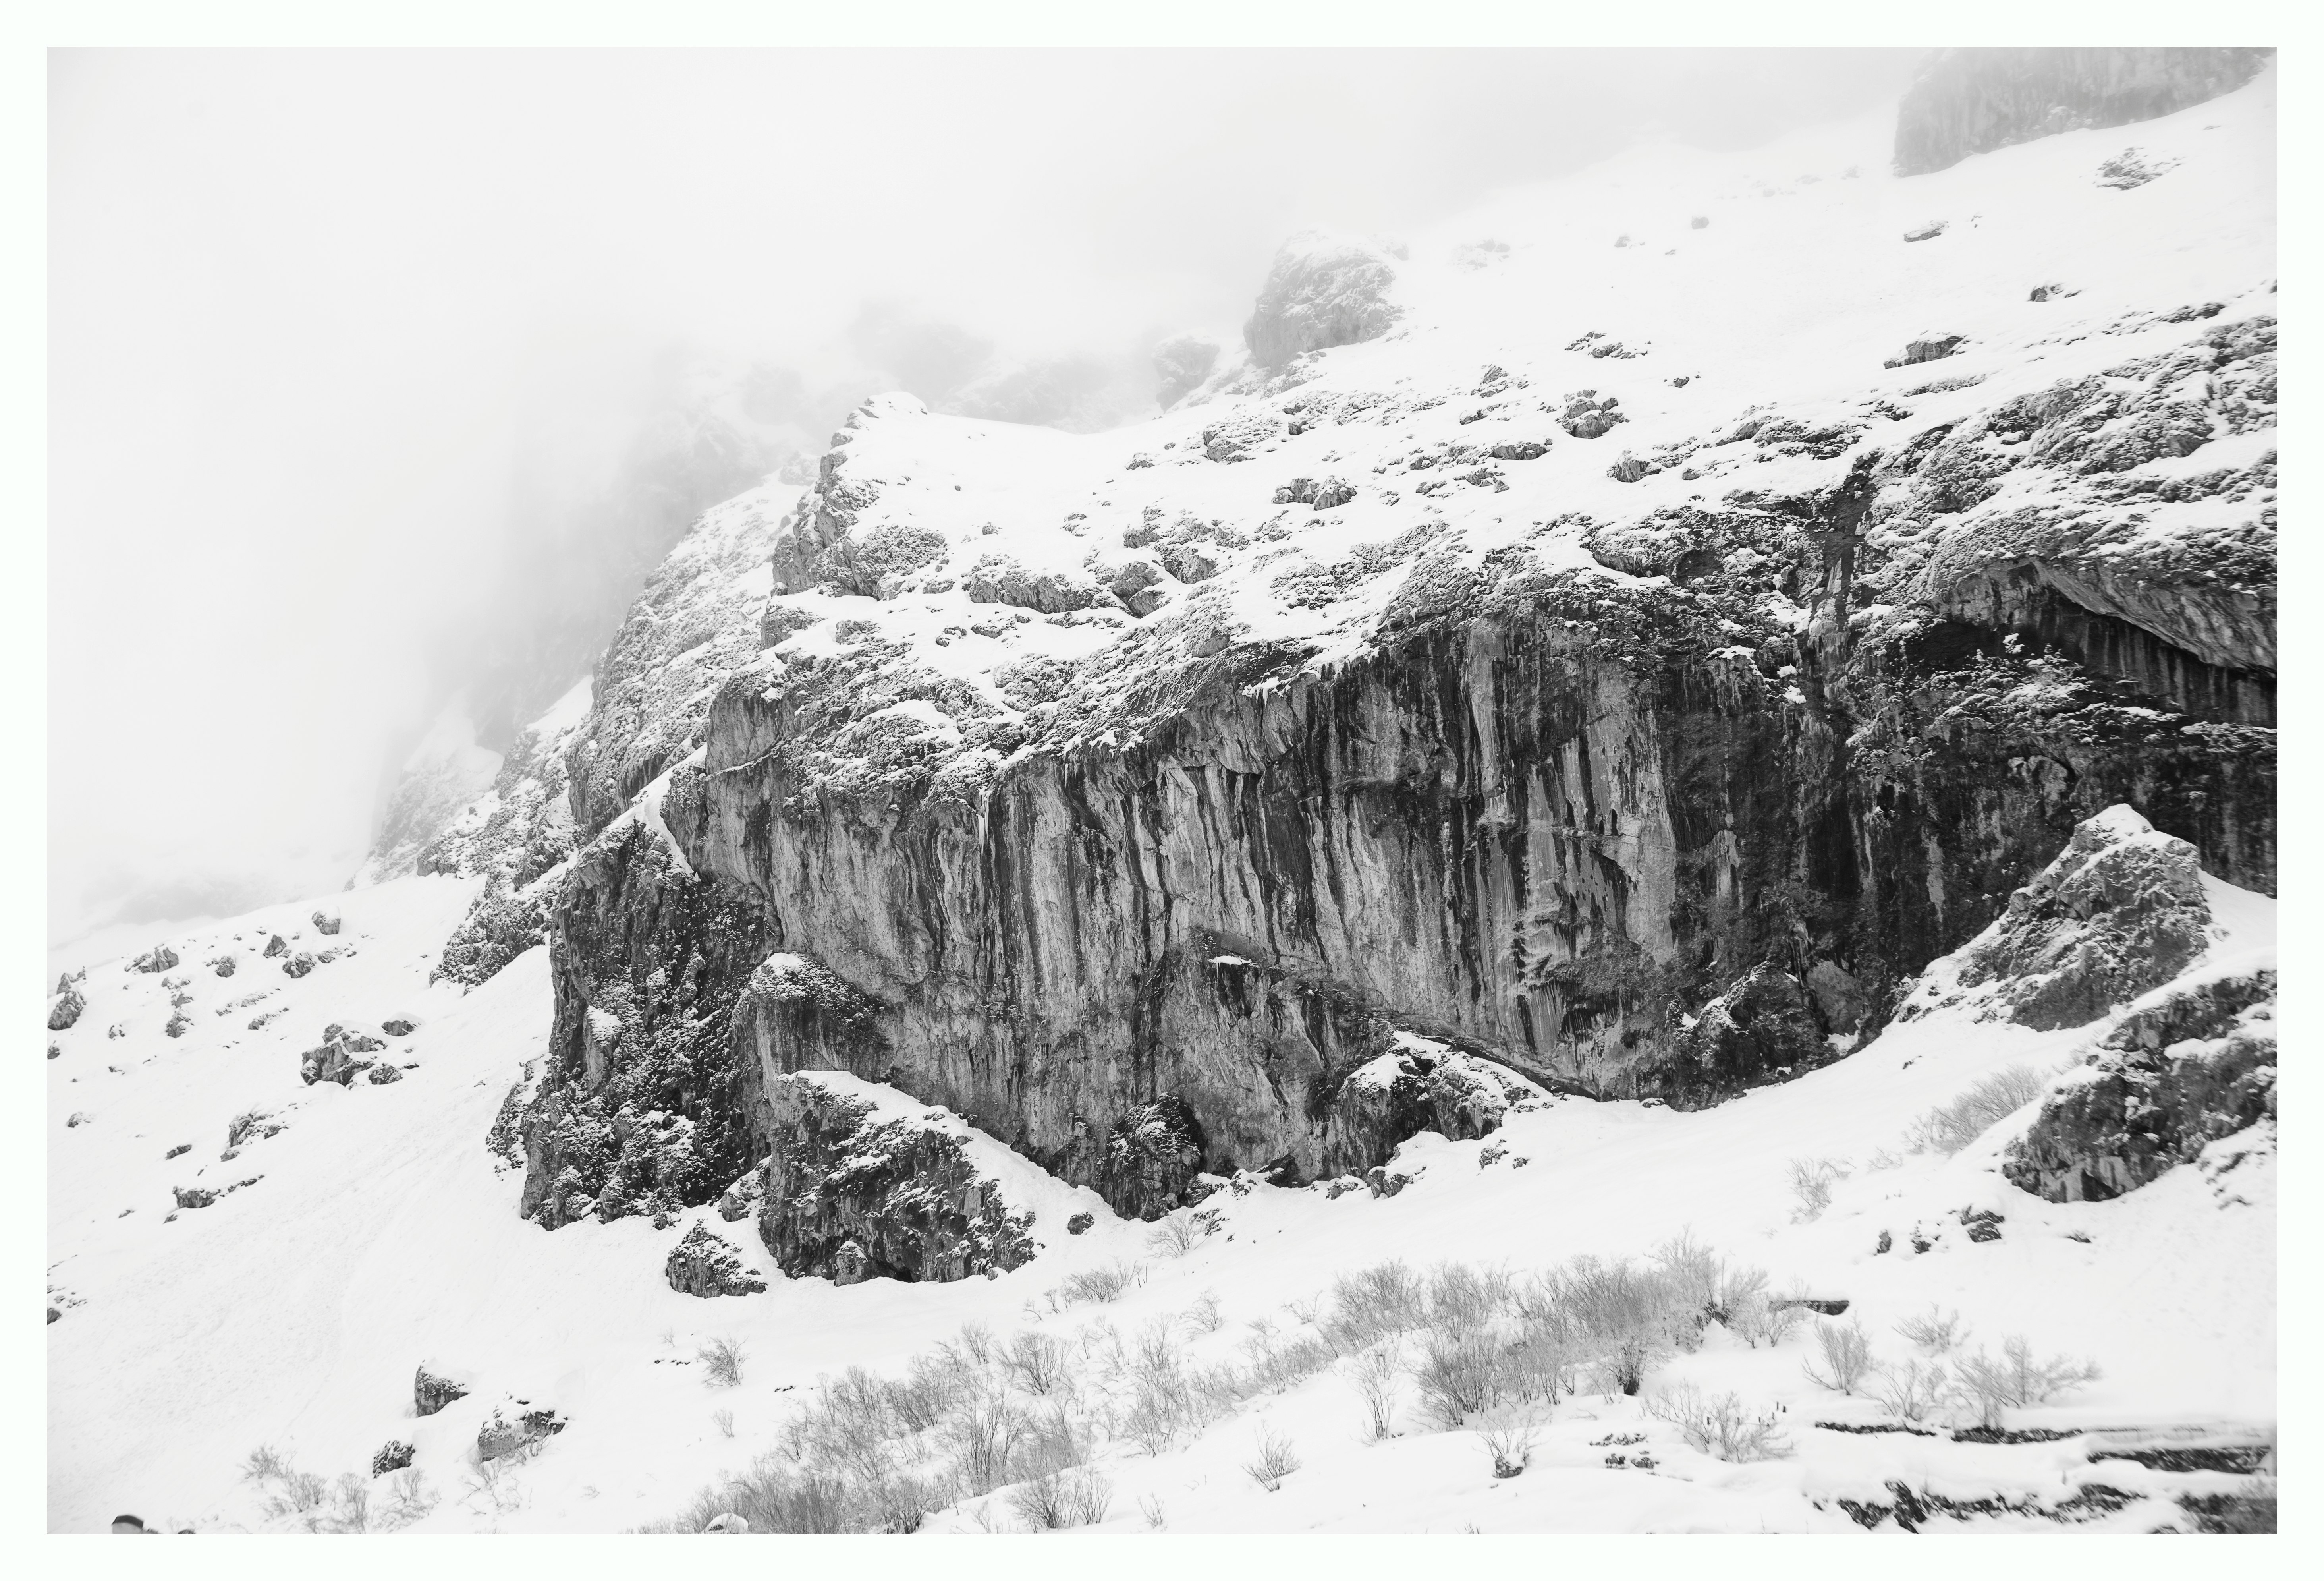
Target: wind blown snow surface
(359, 1232)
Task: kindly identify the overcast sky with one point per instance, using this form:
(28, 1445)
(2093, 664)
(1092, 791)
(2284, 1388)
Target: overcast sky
(303, 305)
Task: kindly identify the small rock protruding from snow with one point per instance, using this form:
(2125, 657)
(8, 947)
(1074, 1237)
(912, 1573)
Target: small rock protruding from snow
(160, 958)
(707, 1265)
(1926, 348)
(67, 1010)
(275, 946)
(325, 923)
(433, 1389)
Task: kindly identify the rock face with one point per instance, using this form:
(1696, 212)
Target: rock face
(1323, 290)
(2170, 1079)
(1667, 797)
(851, 1196)
(705, 1264)
(2121, 911)
(1181, 363)
(1973, 101)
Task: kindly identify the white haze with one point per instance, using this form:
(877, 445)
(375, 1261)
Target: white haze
(311, 310)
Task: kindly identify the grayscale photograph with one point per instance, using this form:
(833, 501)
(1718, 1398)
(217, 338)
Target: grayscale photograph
(1153, 789)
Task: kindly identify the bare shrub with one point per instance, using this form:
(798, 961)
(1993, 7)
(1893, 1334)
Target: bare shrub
(1509, 1440)
(1722, 1427)
(1373, 1375)
(846, 1425)
(1175, 1236)
(1535, 1367)
(1812, 1183)
(1274, 1461)
(1845, 1356)
(722, 1361)
(773, 1498)
(1458, 1376)
(1621, 1317)
(1103, 1283)
(408, 1499)
(1935, 1332)
(935, 1383)
(288, 1493)
(1912, 1392)
(981, 1439)
(1759, 1320)
(1462, 1300)
(723, 1421)
(1950, 1127)
(1991, 1385)
(1151, 1508)
(1203, 1316)
(976, 1342)
(1374, 1304)
(1037, 1361)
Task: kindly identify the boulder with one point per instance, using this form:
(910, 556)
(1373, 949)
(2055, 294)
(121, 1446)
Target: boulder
(193, 1196)
(516, 1429)
(1927, 349)
(432, 1391)
(275, 946)
(999, 579)
(2120, 911)
(705, 1264)
(1420, 1087)
(1588, 416)
(224, 966)
(160, 958)
(392, 1455)
(400, 1026)
(1151, 1157)
(382, 1075)
(299, 965)
(332, 1060)
(65, 1010)
(325, 923)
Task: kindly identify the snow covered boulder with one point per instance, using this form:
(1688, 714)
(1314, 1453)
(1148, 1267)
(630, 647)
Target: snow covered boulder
(864, 1182)
(275, 946)
(1926, 348)
(69, 1003)
(2177, 1074)
(325, 923)
(705, 1264)
(160, 958)
(1589, 416)
(1322, 291)
(392, 1455)
(1422, 1085)
(334, 1060)
(516, 1429)
(299, 965)
(2121, 911)
(433, 1389)
(223, 966)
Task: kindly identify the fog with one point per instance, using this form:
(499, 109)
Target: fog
(343, 345)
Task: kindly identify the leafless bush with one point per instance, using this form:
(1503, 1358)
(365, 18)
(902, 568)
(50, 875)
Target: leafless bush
(1077, 1497)
(1274, 1461)
(1846, 1356)
(1274, 1366)
(1462, 1300)
(1722, 1427)
(1458, 1376)
(1536, 1367)
(1102, 1284)
(976, 1342)
(774, 1498)
(1935, 1331)
(1509, 1439)
(289, 1493)
(1374, 1304)
(723, 1421)
(1175, 1236)
(1373, 1375)
(1621, 1318)
(1151, 1508)
(981, 1439)
(1308, 1309)
(1950, 1127)
(1757, 1320)
(722, 1361)
(1912, 1392)
(846, 1425)
(1812, 1183)
(935, 1383)
(1203, 1316)
(1035, 1361)
(1991, 1385)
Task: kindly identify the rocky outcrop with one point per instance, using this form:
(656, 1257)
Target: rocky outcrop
(299, 965)
(2121, 911)
(339, 1057)
(2173, 1076)
(517, 1429)
(1420, 1086)
(66, 1007)
(1323, 290)
(1182, 364)
(431, 1391)
(706, 1264)
(160, 958)
(1765, 1028)
(854, 1194)
(325, 923)
(392, 1455)
(1973, 101)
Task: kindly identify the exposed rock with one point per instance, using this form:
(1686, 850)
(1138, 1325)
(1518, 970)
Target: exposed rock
(2119, 911)
(1927, 232)
(275, 946)
(516, 1429)
(1151, 1158)
(1587, 416)
(332, 1060)
(999, 579)
(392, 1455)
(432, 1392)
(178, 1025)
(705, 1264)
(77, 1118)
(1927, 349)
(1321, 493)
(325, 923)
(224, 966)
(2131, 167)
(1080, 1223)
(1418, 1086)
(382, 1075)
(851, 1196)
(1238, 437)
(398, 1026)
(2170, 1078)
(193, 1196)
(299, 965)
(65, 1010)
(1973, 101)
(160, 958)
(1765, 1028)
(251, 1124)
(1322, 291)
